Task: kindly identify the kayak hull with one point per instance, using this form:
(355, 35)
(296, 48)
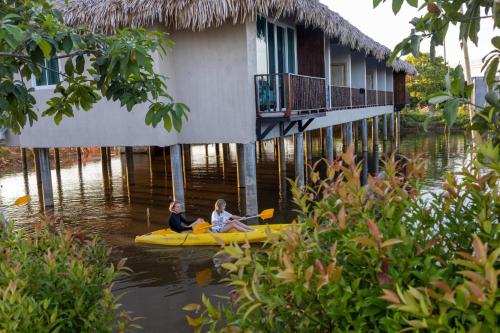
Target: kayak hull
(170, 238)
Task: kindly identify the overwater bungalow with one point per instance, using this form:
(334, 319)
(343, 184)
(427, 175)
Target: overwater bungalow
(249, 70)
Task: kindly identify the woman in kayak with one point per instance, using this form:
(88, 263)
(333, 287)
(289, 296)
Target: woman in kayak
(223, 221)
(177, 222)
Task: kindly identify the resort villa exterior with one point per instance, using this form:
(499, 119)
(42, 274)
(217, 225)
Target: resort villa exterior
(249, 70)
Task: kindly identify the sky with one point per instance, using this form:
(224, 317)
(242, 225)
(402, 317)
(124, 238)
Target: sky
(383, 26)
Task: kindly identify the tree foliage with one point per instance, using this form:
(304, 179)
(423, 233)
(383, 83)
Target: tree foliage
(430, 77)
(117, 67)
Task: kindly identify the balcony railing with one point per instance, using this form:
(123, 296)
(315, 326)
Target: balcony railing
(341, 97)
(287, 94)
(389, 98)
(358, 97)
(348, 98)
(381, 97)
(371, 97)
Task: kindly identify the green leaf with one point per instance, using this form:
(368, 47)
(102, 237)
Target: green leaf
(450, 112)
(45, 47)
(492, 99)
(67, 44)
(439, 99)
(80, 64)
(68, 67)
(491, 73)
(376, 3)
(413, 3)
(396, 6)
(167, 123)
(496, 42)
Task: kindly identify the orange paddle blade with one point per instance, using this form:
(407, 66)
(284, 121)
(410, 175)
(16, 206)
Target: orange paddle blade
(201, 228)
(267, 214)
(22, 201)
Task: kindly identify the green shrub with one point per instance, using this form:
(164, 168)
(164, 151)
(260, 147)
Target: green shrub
(417, 118)
(54, 280)
(375, 258)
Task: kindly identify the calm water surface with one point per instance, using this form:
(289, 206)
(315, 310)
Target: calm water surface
(166, 279)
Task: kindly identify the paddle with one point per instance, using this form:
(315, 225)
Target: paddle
(264, 215)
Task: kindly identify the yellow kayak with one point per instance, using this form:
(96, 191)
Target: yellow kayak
(171, 238)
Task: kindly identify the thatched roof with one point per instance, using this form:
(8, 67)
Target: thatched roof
(109, 15)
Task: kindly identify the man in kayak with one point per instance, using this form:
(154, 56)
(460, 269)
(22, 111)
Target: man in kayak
(177, 222)
(223, 221)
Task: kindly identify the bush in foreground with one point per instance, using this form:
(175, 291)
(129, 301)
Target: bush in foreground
(375, 258)
(54, 280)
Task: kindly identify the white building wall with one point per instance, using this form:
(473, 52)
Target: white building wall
(389, 83)
(381, 76)
(341, 55)
(358, 70)
(210, 71)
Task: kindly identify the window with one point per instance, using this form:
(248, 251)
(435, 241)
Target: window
(50, 74)
(338, 73)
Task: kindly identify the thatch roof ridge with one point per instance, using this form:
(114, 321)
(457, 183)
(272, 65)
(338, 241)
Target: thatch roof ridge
(109, 15)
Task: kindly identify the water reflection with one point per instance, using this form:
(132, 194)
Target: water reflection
(94, 196)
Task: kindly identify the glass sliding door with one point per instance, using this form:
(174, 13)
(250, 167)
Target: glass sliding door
(276, 54)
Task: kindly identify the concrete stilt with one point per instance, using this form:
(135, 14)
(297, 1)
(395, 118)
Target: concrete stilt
(299, 158)
(177, 176)
(349, 133)
(240, 162)
(46, 177)
(329, 143)
(129, 156)
(36, 155)
(150, 160)
(57, 159)
(250, 166)
(355, 132)
(24, 160)
(384, 127)
(375, 132)
(364, 171)
(364, 135)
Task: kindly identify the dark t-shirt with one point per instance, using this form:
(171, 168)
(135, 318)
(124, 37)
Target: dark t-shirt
(178, 223)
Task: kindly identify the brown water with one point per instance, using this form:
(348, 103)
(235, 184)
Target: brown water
(166, 279)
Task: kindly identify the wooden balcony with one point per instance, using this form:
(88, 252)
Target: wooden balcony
(352, 98)
(286, 94)
(389, 98)
(358, 97)
(341, 97)
(371, 97)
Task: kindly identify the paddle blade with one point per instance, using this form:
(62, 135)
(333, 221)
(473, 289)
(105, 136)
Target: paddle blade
(267, 214)
(22, 201)
(201, 228)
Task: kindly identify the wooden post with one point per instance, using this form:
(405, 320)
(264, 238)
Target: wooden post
(299, 158)
(79, 154)
(36, 155)
(57, 159)
(177, 177)
(375, 132)
(329, 144)
(281, 155)
(24, 160)
(46, 177)
(129, 155)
